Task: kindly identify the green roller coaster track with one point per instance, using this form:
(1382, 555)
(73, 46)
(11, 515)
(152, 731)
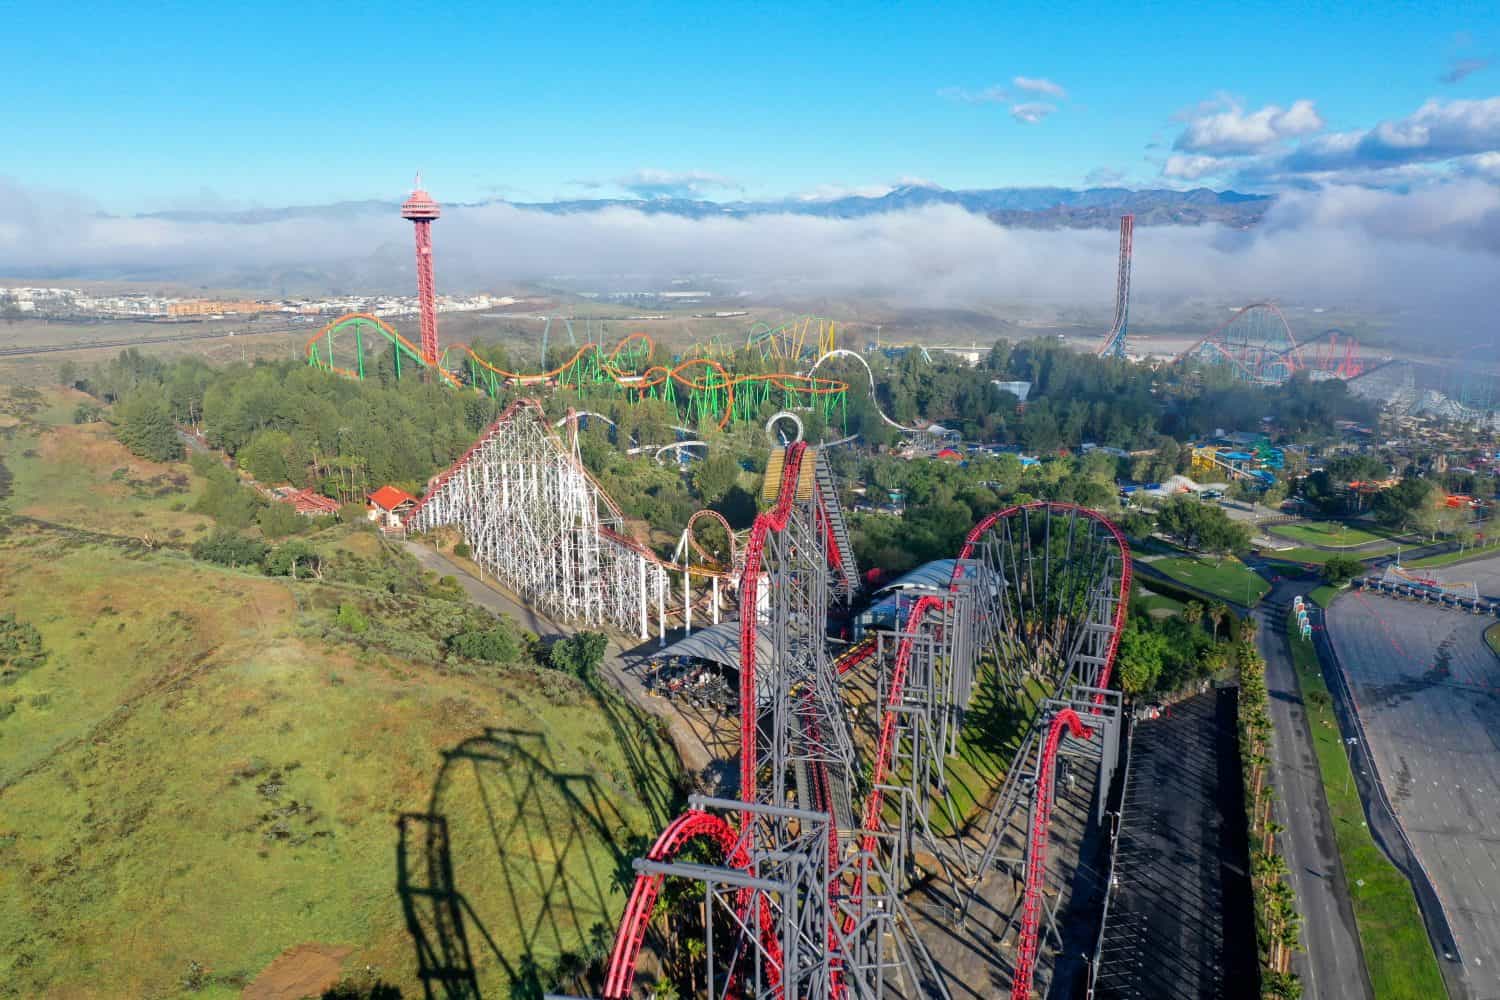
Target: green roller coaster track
(701, 389)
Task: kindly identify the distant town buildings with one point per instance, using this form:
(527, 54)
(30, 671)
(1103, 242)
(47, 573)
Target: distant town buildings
(75, 303)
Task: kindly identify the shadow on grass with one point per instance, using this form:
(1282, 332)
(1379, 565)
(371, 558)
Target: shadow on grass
(655, 772)
(513, 874)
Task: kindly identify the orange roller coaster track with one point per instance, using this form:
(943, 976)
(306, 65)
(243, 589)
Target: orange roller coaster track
(701, 387)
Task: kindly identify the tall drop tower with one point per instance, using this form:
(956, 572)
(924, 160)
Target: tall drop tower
(423, 211)
(1114, 340)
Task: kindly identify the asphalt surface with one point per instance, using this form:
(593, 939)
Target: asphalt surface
(1181, 924)
(1331, 964)
(1427, 691)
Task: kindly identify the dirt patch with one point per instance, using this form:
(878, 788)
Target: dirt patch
(95, 447)
(301, 971)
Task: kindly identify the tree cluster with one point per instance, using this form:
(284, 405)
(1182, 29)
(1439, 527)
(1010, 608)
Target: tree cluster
(1276, 915)
(1173, 653)
(144, 425)
(1203, 527)
(579, 654)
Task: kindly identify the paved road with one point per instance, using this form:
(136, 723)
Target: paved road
(1332, 966)
(489, 595)
(1427, 690)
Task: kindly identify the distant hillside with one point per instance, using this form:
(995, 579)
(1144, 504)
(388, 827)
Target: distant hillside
(1030, 208)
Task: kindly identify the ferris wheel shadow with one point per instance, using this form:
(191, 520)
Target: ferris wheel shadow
(506, 881)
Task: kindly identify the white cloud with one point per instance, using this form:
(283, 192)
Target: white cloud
(1430, 257)
(1438, 130)
(1031, 113)
(1486, 165)
(1190, 168)
(994, 94)
(833, 192)
(1233, 131)
(651, 183)
(1040, 85)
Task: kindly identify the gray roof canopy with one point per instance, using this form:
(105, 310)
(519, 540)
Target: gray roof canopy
(721, 644)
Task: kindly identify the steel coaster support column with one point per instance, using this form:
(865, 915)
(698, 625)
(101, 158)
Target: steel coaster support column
(645, 605)
(661, 608)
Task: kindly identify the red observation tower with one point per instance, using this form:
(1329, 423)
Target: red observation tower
(422, 211)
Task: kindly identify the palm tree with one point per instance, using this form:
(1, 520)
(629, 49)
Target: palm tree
(1272, 829)
(695, 948)
(1258, 763)
(1260, 868)
(1218, 611)
(1248, 626)
(1282, 986)
(1192, 612)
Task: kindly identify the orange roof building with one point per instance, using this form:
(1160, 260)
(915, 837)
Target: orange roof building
(390, 499)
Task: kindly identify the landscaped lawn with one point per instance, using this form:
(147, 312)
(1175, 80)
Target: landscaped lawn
(1449, 558)
(1492, 638)
(1321, 556)
(1229, 580)
(1398, 953)
(1323, 595)
(1333, 533)
(1157, 605)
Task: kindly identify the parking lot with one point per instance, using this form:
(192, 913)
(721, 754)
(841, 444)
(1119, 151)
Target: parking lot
(1427, 688)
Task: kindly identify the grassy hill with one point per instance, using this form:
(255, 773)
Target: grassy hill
(205, 773)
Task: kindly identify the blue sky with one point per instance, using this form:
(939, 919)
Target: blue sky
(149, 106)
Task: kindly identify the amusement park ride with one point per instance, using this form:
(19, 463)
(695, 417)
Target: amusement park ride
(701, 388)
(806, 884)
(1256, 345)
(812, 875)
(1114, 341)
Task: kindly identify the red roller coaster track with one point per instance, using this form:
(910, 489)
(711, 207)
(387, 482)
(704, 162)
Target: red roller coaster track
(690, 825)
(621, 973)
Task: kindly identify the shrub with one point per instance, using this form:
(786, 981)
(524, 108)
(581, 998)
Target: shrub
(20, 647)
(87, 413)
(1340, 569)
(278, 520)
(229, 549)
(350, 619)
(495, 645)
(462, 550)
(580, 654)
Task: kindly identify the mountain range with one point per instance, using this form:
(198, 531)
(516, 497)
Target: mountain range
(1027, 208)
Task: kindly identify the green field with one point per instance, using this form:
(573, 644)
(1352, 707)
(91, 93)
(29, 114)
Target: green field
(1449, 558)
(1229, 580)
(1335, 534)
(1157, 605)
(1492, 638)
(1323, 594)
(1397, 951)
(993, 729)
(1320, 556)
(201, 777)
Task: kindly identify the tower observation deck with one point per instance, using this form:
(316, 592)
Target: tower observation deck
(423, 211)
